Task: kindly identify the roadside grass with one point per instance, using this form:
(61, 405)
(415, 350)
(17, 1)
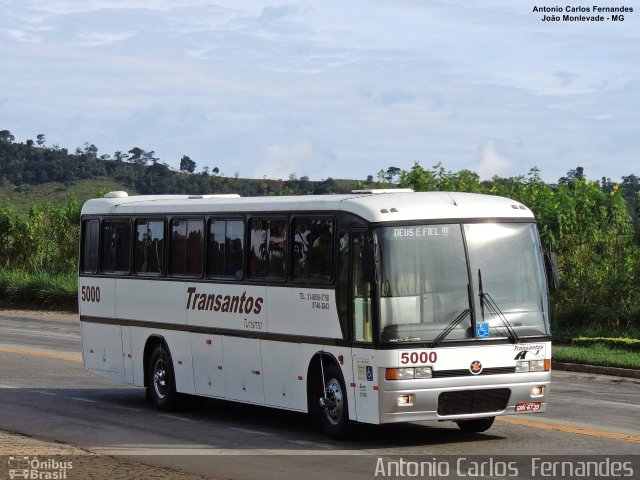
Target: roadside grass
(40, 288)
(597, 354)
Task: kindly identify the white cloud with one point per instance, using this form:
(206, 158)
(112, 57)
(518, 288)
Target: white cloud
(493, 162)
(601, 116)
(22, 36)
(300, 157)
(92, 39)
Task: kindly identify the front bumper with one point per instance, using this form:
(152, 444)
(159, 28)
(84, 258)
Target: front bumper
(460, 398)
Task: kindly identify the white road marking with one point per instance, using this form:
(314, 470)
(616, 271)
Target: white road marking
(128, 409)
(251, 432)
(311, 444)
(79, 399)
(175, 417)
(51, 394)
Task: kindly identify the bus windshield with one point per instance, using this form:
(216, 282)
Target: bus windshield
(428, 285)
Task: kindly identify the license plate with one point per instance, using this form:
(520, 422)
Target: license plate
(528, 406)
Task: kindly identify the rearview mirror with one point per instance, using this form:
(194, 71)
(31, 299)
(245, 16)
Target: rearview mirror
(369, 259)
(553, 273)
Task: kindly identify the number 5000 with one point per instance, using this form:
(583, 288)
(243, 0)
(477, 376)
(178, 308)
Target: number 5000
(90, 294)
(418, 357)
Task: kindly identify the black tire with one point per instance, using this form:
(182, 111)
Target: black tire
(477, 425)
(333, 406)
(161, 380)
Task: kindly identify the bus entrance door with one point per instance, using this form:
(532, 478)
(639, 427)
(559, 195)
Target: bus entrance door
(366, 394)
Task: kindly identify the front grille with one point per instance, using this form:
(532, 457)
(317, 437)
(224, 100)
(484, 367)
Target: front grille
(473, 401)
(464, 372)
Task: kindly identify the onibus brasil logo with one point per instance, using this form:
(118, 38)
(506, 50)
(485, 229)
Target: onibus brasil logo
(38, 469)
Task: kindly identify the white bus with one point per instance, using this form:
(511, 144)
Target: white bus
(373, 307)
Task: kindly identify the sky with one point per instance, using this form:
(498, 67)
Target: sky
(339, 89)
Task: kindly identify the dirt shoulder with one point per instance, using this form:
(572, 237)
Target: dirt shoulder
(56, 315)
(47, 459)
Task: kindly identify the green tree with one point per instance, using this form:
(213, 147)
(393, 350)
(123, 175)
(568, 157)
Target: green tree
(6, 136)
(391, 173)
(419, 179)
(141, 157)
(187, 165)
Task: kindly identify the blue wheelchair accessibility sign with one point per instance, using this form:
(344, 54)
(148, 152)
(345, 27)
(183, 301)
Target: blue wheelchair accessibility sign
(482, 330)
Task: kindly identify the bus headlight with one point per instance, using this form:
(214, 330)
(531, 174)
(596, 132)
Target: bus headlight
(536, 365)
(407, 373)
(533, 365)
(399, 373)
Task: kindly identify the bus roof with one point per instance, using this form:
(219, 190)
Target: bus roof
(374, 207)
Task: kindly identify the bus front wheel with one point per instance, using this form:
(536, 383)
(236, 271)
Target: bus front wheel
(476, 426)
(161, 382)
(334, 410)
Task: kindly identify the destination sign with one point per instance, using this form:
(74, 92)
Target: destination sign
(421, 231)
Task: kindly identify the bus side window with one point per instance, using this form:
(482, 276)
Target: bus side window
(115, 249)
(277, 248)
(234, 249)
(225, 253)
(187, 248)
(361, 290)
(267, 251)
(149, 257)
(312, 248)
(258, 247)
(90, 246)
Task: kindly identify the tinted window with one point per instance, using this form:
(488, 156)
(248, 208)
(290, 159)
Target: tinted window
(115, 251)
(267, 248)
(149, 255)
(226, 248)
(186, 247)
(90, 246)
(312, 248)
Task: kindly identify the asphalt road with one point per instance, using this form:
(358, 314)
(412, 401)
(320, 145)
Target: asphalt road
(44, 393)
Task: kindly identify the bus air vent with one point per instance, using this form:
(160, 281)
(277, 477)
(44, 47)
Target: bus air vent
(473, 401)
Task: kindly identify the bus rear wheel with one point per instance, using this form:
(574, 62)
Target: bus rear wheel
(334, 410)
(161, 381)
(477, 425)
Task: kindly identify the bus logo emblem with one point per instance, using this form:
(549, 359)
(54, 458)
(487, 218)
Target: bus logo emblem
(475, 368)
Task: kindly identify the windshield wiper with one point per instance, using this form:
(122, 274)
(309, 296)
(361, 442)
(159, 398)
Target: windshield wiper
(493, 308)
(454, 323)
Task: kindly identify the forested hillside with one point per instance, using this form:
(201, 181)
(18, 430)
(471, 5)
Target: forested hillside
(33, 163)
(140, 171)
